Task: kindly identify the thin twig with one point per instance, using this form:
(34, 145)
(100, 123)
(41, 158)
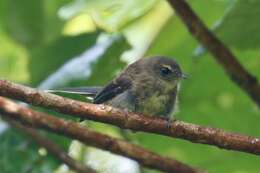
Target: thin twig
(51, 147)
(129, 120)
(221, 53)
(86, 136)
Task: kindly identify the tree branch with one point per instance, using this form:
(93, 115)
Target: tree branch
(50, 146)
(129, 120)
(86, 136)
(221, 53)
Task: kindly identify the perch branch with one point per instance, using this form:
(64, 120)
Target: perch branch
(129, 120)
(50, 146)
(221, 53)
(86, 136)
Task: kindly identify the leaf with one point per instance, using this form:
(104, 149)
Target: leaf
(240, 26)
(53, 24)
(24, 20)
(30, 22)
(13, 60)
(109, 15)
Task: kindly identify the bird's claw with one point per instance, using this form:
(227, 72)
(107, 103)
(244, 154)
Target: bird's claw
(169, 122)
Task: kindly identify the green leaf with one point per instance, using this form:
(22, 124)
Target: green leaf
(30, 22)
(240, 26)
(13, 60)
(24, 20)
(109, 15)
(53, 24)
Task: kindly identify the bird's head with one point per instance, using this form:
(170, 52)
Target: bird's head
(164, 69)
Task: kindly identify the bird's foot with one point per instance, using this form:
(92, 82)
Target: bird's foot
(169, 122)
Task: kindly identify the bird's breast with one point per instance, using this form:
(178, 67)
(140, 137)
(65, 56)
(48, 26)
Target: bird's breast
(155, 104)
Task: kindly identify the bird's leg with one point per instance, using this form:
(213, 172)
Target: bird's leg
(169, 120)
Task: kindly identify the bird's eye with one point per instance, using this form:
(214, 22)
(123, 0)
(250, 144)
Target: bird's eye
(165, 71)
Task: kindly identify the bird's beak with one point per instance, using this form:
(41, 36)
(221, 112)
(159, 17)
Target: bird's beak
(184, 76)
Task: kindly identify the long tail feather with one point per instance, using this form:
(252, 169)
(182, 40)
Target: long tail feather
(85, 91)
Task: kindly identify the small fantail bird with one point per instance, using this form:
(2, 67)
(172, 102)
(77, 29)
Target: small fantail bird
(148, 86)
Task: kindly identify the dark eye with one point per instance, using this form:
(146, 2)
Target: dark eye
(165, 71)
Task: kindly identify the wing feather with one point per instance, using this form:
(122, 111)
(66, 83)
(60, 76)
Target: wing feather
(113, 89)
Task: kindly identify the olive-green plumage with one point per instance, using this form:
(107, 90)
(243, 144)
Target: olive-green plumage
(148, 86)
(151, 86)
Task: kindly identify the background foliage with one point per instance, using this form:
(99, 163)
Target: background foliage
(61, 43)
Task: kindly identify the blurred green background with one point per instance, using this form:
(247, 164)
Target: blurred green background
(52, 44)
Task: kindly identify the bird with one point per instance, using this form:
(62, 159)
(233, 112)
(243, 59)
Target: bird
(148, 86)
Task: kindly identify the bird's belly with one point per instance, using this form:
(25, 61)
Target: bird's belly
(156, 105)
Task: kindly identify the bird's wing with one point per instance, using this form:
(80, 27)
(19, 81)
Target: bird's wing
(85, 91)
(113, 89)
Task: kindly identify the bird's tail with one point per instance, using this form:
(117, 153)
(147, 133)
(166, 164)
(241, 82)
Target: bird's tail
(85, 91)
